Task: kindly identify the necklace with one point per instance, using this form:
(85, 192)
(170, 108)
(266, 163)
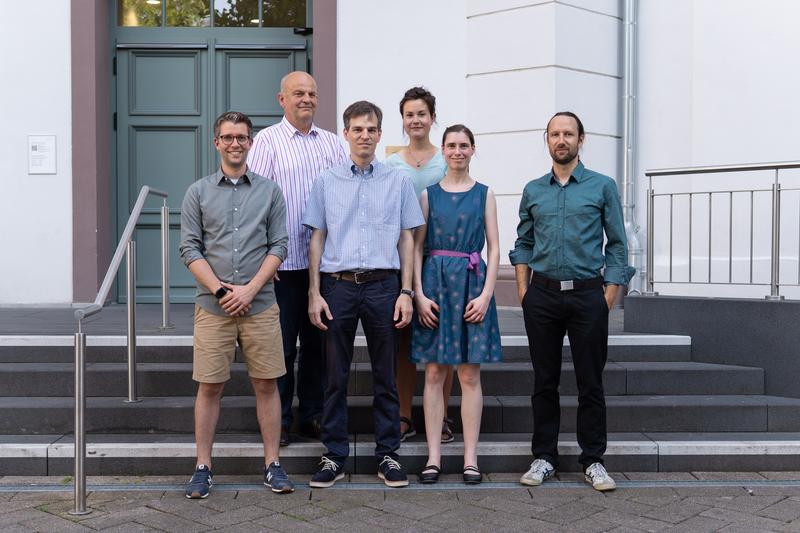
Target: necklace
(417, 161)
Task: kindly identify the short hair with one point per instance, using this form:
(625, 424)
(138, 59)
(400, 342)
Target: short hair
(459, 128)
(233, 116)
(419, 93)
(566, 114)
(360, 109)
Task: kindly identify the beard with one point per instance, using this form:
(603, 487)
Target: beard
(567, 158)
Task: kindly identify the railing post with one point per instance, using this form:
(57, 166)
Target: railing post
(165, 266)
(79, 476)
(774, 292)
(649, 260)
(131, 279)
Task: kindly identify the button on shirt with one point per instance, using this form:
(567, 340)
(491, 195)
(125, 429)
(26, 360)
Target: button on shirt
(293, 160)
(560, 231)
(233, 227)
(363, 212)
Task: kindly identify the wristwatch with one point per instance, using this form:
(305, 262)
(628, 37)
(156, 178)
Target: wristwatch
(409, 292)
(222, 291)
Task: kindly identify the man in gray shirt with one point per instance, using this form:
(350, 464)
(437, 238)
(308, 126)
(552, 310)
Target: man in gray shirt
(233, 238)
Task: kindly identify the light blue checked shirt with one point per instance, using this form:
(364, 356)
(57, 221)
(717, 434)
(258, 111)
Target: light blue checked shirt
(363, 213)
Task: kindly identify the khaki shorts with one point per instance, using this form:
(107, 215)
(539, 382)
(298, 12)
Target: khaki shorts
(215, 339)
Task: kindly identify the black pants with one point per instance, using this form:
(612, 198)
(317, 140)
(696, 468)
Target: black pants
(291, 292)
(583, 316)
(372, 303)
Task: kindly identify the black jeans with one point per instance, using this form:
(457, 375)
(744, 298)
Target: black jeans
(291, 292)
(583, 316)
(372, 303)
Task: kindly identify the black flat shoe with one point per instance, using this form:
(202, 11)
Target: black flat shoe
(472, 476)
(430, 474)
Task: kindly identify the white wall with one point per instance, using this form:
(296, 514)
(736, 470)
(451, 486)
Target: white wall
(35, 99)
(718, 84)
(385, 47)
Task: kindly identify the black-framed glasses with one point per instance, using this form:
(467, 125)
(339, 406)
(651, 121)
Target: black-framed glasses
(228, 139)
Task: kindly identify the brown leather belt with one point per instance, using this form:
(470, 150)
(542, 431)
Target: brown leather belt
(364, 276)
(567, 285)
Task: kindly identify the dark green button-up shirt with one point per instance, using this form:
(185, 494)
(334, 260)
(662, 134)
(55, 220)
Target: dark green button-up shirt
(560, 231)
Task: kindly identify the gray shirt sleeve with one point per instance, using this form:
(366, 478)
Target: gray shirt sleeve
(277, 236)
(191, 247)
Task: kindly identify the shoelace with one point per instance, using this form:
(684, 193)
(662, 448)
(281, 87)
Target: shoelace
(201, 476)
(277, 472)
(597, 470)
(391, 463)
(539, 467)
(329, 464)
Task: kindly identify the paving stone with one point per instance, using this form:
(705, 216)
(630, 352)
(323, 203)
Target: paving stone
(308, 512)
(460, 516)
(50, 522)
(774, 490)
(237, 516)
(785, 510)
(281, 522)
(16, 528)
(392, 521)
(696, 524)
(660, 476)
(131, 527)
(571, 512)
(414, 510)
(169, 522)
(756, 523)
(640, 523)
(589, 525)
(622, 505)
(781, 476)
(676, 512)
(701, 490)
(470, 495)
(515, 506)
(745, 504)
(247, 527)
(109, 520)
(10, 506)
(42, 496)
(273, 502)
(19, 516)
(193, 510)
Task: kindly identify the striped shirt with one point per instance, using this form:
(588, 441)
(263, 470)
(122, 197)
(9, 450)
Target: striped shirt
(363, 213)
(294, 160)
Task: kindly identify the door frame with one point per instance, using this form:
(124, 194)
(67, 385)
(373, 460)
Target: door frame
(93, 163)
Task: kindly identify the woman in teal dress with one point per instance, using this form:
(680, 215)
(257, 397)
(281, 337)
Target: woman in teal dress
(423, 163)
(454, 294)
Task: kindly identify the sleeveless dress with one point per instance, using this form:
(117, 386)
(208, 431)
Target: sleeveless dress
(455, 223)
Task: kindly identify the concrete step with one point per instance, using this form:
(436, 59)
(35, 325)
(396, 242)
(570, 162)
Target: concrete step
(174, 454)
(501, 414)
(514, 378)
(178, 348)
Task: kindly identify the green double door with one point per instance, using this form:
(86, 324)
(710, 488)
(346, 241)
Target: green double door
(169, 90)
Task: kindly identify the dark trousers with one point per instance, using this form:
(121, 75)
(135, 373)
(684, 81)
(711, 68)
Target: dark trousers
(291, 292)
(583, 316)
(372, 303)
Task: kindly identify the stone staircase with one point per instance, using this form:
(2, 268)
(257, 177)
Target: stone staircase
(665, 412)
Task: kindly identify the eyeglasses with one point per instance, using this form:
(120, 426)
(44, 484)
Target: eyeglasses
(228, 139)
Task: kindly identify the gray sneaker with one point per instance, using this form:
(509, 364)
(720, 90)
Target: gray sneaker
(539, 471)
(598, 477)
(275, 478)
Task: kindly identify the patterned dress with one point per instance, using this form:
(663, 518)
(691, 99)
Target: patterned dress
(455, 223)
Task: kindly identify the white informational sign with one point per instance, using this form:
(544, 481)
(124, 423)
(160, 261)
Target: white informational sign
(41, 154)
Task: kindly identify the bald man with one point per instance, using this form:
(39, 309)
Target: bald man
(293, 153)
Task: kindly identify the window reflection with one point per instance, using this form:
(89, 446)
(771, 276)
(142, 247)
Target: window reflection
(233, 13)
(284, 13)
(139, 12)
(191, 13)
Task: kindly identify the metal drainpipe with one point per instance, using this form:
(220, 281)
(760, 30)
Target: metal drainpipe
(635, 251)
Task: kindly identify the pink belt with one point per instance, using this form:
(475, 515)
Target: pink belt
(474, 257)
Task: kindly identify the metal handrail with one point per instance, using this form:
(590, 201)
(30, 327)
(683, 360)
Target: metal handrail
(126, 247)
(775, 228)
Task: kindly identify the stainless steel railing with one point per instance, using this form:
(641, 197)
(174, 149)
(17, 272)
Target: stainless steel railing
(775, 252)
(126, 247)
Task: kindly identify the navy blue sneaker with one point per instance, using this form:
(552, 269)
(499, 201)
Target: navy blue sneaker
(328, 473)
(275, 477)
(390, 471)
(200, 483)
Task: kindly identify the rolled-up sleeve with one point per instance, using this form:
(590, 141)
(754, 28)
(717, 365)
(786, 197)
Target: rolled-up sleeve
(410, 212)
(277, 236)
(523, 246)
(617, 271)
(191, 247)
(314, 215)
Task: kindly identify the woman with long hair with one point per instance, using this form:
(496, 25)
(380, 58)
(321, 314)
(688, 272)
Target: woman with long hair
(454, 293)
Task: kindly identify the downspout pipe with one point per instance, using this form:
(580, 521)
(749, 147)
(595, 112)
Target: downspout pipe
(632, 229)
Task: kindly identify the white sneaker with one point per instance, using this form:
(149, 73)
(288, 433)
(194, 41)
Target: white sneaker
(538, 472)
(598, 477)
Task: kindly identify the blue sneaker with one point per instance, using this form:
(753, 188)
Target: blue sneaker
(328, 473)
(200, 483)
(275, 478)
(392, 474)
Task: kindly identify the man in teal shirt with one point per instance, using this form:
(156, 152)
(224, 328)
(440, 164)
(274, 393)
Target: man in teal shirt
(563, 216)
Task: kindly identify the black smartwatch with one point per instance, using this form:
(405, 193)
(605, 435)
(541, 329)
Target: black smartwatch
(222, 291)
(408, 292)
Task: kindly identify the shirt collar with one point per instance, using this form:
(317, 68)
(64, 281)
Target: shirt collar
(291, 131)
(366, 173)
(576, 175)
(220, 178)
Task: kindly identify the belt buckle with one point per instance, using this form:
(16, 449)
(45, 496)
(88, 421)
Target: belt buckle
(567, 285)
(357, 278)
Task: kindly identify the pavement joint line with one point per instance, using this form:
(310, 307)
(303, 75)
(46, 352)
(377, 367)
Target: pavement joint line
(621, 484)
